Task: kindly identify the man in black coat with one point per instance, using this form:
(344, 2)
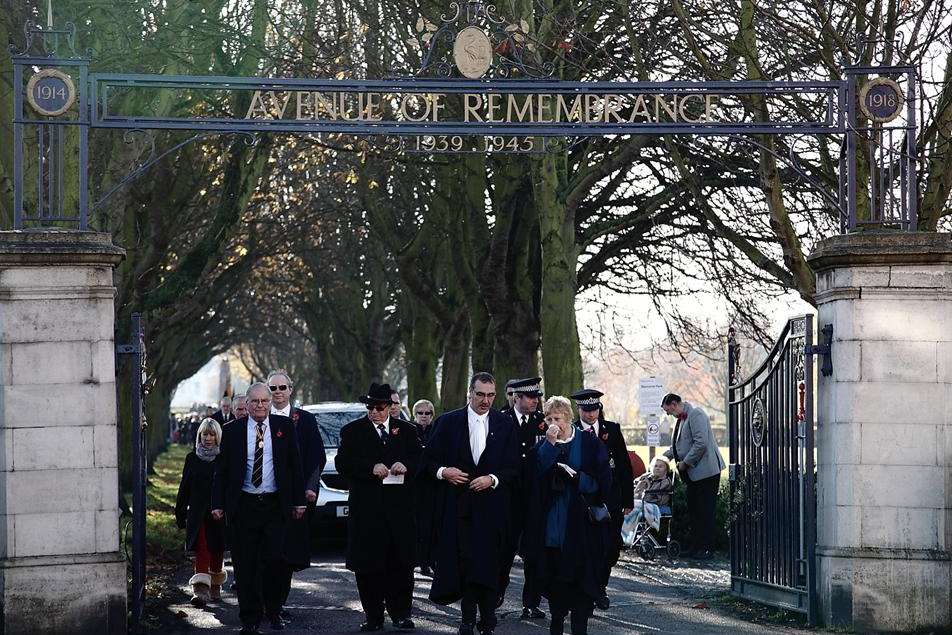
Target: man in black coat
(526, 416)
(379, 456)
(224, 414)
(622, 494)
(259, 489)
(297, 552)
(473, 455)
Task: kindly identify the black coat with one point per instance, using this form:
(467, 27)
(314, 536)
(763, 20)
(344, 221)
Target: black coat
(193, 504)
(230, 469)
(378, 514)
(311, 446)
(220, 417)
(424, 493)
(582, 558)
(480, 518)
(623, 480)
(529, 435)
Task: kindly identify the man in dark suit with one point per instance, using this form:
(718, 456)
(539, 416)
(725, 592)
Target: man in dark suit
(259, 488)
(473, 455)
(622, 494)
(379, 455)
(224, 414)
(526, 416)
(297, 552)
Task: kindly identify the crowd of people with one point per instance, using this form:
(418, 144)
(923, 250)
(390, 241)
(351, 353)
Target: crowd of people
(459, 495)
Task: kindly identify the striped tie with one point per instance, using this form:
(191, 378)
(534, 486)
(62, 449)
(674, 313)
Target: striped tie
(258, 468)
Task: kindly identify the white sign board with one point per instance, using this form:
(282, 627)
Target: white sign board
(650, 393)
(653, 431)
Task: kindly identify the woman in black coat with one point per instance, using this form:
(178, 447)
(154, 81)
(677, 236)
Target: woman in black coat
(203, 535)
(565, 546)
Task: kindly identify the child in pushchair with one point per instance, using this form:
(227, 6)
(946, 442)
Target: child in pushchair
(651, 510)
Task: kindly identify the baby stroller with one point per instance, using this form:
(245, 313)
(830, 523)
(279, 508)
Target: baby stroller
(648, 527)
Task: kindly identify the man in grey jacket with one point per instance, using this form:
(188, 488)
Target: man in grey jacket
(699, 463)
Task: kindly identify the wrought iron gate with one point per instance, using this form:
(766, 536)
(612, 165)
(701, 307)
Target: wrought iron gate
(136, 351)
(773, 501)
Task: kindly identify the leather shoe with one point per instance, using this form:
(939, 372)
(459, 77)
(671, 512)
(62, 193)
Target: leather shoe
(465, 629)
(251, 629)
(370, 627)
(535, 613)
(486, 631)
(276, 623)
(500, 600)
(285, 615)
(406, 624)
(603, 603)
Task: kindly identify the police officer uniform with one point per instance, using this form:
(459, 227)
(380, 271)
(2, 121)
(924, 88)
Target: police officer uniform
(622, 491)
(531, 427)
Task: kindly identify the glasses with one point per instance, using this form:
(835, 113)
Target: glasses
(379, 407)
(259, 400)
(428, 413)
(395, 403)
(281, 387)
(485, 395)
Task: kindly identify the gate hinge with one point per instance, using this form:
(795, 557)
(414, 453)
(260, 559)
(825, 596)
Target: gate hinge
(825, 349)
(127, 349)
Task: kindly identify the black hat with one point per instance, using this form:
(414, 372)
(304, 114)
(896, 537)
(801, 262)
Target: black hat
(587, 399)
(529, 386)
(378, 393)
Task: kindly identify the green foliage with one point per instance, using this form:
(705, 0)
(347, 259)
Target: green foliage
(164, 539)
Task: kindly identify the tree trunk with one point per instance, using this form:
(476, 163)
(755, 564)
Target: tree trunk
(422, 353)
(455, 380)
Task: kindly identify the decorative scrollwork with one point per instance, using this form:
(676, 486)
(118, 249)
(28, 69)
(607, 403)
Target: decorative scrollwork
(47, 40)
(758, 422)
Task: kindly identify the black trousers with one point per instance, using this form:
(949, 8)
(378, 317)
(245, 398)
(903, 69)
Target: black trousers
(390, 588)
(288, 572)
(567, 598)
(702, 500)
(256, 554)
(531, 593)
(475, 596)
(613, 550)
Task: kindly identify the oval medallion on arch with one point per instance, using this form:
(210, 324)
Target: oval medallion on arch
(472, 52)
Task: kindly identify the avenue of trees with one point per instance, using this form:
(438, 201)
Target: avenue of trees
(337, 258)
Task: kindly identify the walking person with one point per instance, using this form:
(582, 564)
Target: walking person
(474, 456)
(699, 463)
(528, 419)
(297, 543)
(379, 456)
(423, 411)
(203, 534)
(567, 523)
(259, 488)
(224, 413)
(622, 495)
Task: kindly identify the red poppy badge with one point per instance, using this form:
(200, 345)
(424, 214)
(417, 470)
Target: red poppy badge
(395, 432)
(279, 433)
(542, 426)
(295, 416)
(605, 437)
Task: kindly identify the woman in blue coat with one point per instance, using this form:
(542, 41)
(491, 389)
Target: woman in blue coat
(564, 541)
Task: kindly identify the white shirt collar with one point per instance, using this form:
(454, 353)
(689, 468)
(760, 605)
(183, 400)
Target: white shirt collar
(252, 423)
(386, 425)
(587, 426)
(473, 415)
(286, 411)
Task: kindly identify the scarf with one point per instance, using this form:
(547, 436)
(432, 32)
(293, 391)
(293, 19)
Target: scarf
(206, 454)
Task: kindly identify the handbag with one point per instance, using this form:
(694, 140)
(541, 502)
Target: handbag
(597, 514)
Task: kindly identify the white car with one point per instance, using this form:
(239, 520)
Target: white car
(332, 499)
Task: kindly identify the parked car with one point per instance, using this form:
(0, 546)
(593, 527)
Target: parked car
(332, 499)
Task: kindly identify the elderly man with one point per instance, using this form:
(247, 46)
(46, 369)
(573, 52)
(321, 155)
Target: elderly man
(224, 414)
(474, 456)
(525, 415)
(592, 421)
(699, 464)
(379, 456)
(313, 459)
(238, 406)
(258, 488)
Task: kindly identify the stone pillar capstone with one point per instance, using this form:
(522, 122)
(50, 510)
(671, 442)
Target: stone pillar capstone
(884, 432)
(60, 566)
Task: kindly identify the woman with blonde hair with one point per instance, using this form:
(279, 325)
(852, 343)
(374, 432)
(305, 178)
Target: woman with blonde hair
(568, 525)
(204, 535)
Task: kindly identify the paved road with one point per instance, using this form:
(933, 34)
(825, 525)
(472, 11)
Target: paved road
(647, 598)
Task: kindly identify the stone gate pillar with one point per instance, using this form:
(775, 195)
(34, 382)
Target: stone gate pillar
(884, 432)
(60, 566)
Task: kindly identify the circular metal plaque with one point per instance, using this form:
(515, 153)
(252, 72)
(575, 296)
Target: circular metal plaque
(472, 52)
(758, 422)
(881, 100)
(50, 92)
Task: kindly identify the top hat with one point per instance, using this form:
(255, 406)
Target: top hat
(529, 386)
(378, 393)
(587, 399)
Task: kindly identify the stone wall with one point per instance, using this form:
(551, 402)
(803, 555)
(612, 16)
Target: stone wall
(60, 567)
(884, 432)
